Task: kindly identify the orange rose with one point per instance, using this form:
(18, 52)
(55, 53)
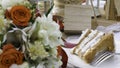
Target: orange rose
(10, 56)
(7, 47)
(7, 14)
(20, 15)
(62, 53)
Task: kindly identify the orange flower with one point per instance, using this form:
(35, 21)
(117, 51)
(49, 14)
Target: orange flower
(7, 14)
(10, 56)
(62, 53)
(20, 15)
(7, 47)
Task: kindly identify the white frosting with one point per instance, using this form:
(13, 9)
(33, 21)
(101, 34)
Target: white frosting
(83, 35)
(86, 40)
(92, 42)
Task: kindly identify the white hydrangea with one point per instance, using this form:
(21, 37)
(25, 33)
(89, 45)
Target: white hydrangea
(53, 63)
(4, 23)
(49, 31)
(37, 50)
(9, 3)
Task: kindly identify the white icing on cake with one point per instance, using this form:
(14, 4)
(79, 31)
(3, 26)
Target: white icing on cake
(83, 34)
(86, 40)
(92, 42)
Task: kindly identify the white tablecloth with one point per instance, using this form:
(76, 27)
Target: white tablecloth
(113, 62)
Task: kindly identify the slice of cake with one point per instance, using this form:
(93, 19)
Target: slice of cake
(92, 42)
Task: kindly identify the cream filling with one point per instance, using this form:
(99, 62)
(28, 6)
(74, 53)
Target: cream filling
(92, 42)
(86, 40)
(83, 35)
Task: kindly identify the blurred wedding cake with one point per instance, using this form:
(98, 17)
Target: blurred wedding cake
(59, 6)
(91, 43)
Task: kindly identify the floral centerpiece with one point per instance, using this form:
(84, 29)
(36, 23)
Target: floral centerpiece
(26, 39)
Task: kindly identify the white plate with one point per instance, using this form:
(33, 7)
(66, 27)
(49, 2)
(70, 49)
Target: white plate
(113, 62)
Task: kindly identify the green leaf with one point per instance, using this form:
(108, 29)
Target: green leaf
(1, 37)
(49, 10)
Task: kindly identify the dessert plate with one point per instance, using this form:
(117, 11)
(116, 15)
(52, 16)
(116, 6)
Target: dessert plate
(113, 62)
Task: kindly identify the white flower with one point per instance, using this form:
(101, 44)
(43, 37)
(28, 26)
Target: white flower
(9, 3)
(53, 63)
(55, 38)
(37, 50)
(24, 65)
(41, 65)
(14, 66)
(49, 31)
(47, 23)
(44, 36)
(4, 23)
(53, 52)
